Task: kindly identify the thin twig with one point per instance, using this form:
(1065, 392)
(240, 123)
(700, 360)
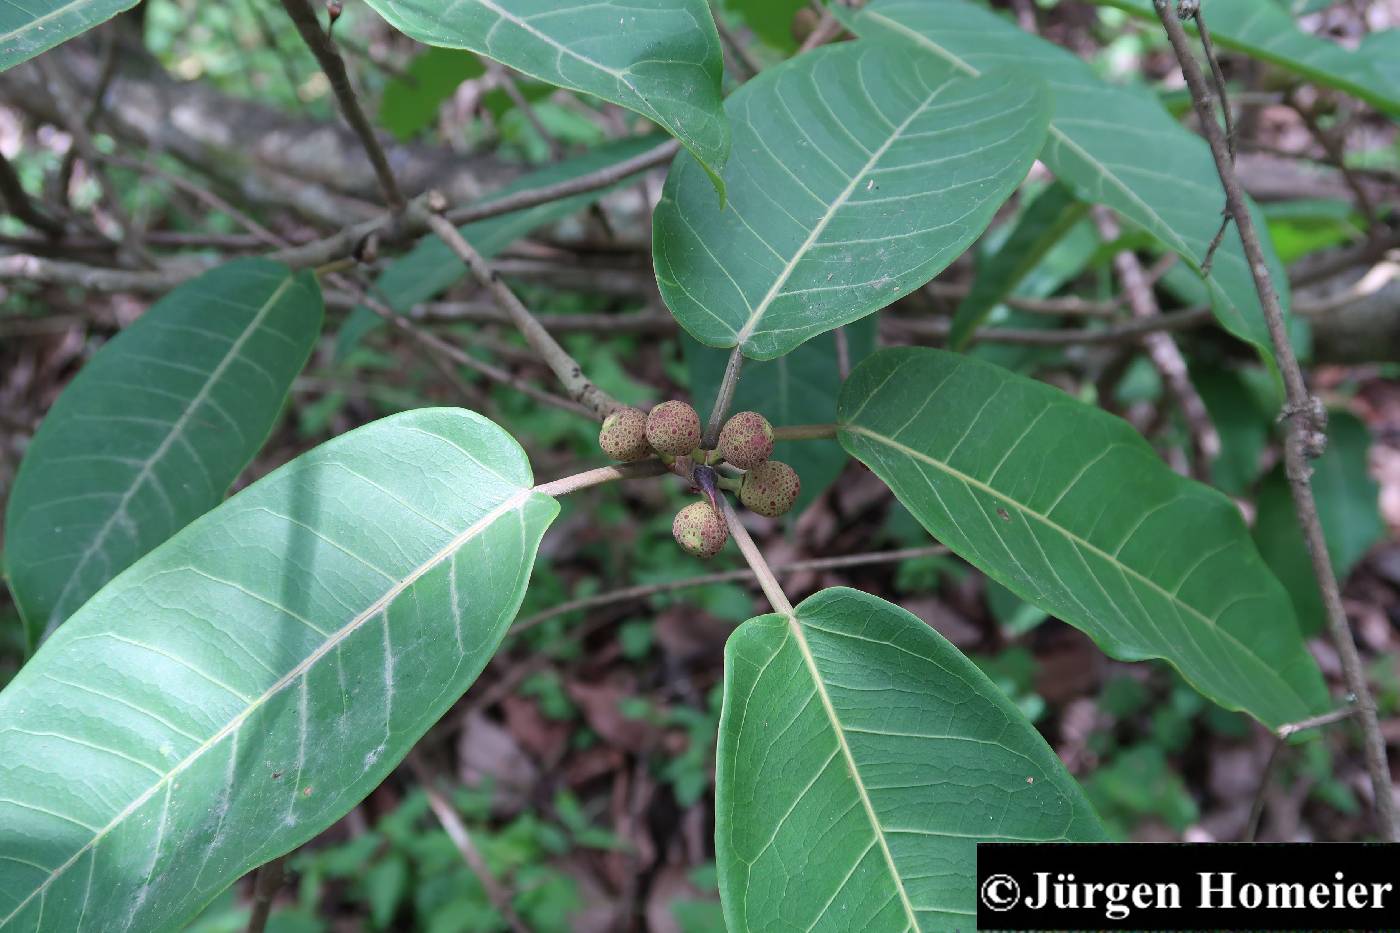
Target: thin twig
(19, 203)
(316, 39)
(1306, 429)
(805, 432)
(1256, 809)
(1163, 352)
(462, 358)
(508, 84)
(1218, 79)
(1290, 729)
(608, 474)
(106, 71)
(723, 399)
(744, 65)
(456, 830)
(766, 580)
(843, 354)
(266, 883)
(74, 122)
(578, 386)
(1336, 155)
(742, 575)
(1119, 333)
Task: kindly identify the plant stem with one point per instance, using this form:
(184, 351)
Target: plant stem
(1306, 427)
(766, 581)
(805, 432)
(743, 575)
(1293, 728)
(316, 39)
(607, 474)
(456, 830)
(723, 399)
(578, 386)
(266, 883)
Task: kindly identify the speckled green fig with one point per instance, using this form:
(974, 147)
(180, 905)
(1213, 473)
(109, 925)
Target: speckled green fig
(673, 428)
(624, 435)
(770, 488)
(747, 440)
(699, 531)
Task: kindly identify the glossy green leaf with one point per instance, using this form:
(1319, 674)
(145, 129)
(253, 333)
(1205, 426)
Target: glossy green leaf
(153, 431)
(1347, 505)
(770, 20)
(859, 172)
(411, 101)
(861, 759)
(26, 29)
(1265, 30)
(798, 388)
(660, 58)
(1044, 223)
(243, 686)
(1070, 509)
(1113, 145)
(1241, 421)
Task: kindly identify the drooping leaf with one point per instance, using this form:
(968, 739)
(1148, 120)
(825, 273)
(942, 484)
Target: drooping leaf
(861, 759)
(26, 29)
(859, 172)
(153, 431)
(660, 58)
(798, 388)
(1347, 504)
(1042, 225)
(243, 686)
(1070, 509)
(1265, 30)
(431, 267)
(1113, 145)
(411, 102)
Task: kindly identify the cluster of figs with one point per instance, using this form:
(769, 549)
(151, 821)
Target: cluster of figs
(671, 430)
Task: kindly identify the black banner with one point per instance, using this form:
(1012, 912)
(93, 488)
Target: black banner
(1188, 886)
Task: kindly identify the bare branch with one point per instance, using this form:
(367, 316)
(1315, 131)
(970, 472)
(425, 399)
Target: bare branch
(579, 387)
(304, 17)
(1306, 428)
(1118, 333)
(723, 399)
(18, 202)
(766, 580)
(1162, 351)
(744, 575)
(607, 474)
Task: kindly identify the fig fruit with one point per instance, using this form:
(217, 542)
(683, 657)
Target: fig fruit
(747, 440)
(770, 488)
(699, 531)
(624, 435)
(673, 428)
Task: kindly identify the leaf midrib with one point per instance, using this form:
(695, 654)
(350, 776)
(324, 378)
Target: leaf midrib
(513, 503)
(1127, 570)
(755, 316)
(876, 827)
(177, 429)
(1171, 235)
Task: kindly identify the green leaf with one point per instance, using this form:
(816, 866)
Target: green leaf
(661, 59)
(1113, 145)
(1242, 423)
(799, 388)
(1263, 29)
(1347, 504)
(859, 172)
(411, 102)
(153, 431)
(1043, 224)
(1070, 509)
(770, 20)
(38, 25)
(243, 686)
(861, 759)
